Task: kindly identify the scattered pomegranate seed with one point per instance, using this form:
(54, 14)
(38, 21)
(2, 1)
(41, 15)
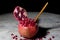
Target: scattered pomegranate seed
(49, 39)
(16, 38)
(40, 39)
(53, 36)
(12, 34)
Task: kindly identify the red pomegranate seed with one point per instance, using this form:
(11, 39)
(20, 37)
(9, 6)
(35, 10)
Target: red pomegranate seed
(49, 39)
(53, 36)
(21, 39)
(40, 39)
(12, 34)
(30, 19)
(25, 25)
(16, 38)
(32, 24)
(26, 19)
(21, 22)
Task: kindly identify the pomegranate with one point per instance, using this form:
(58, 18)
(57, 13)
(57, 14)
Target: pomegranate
(27, 26)
(27, 30)
(19, 13)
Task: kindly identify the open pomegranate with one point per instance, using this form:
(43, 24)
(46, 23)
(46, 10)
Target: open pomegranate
(19, 13)
(27, 29)
(27, 26)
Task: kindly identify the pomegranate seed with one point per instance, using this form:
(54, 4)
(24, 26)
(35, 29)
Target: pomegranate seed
(53, 36)
(49, 39)
(30, 19)
(26, 21)
(16, 38)
(40, 38)
(23, 19)
(26, 18)
(22, 22)
(21, 39)
(32, 24)
(25, 25)
(12, 34)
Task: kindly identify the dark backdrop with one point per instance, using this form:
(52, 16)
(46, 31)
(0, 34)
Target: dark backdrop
(7, 6)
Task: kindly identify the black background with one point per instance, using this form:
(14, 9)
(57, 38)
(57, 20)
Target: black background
(7, 6)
